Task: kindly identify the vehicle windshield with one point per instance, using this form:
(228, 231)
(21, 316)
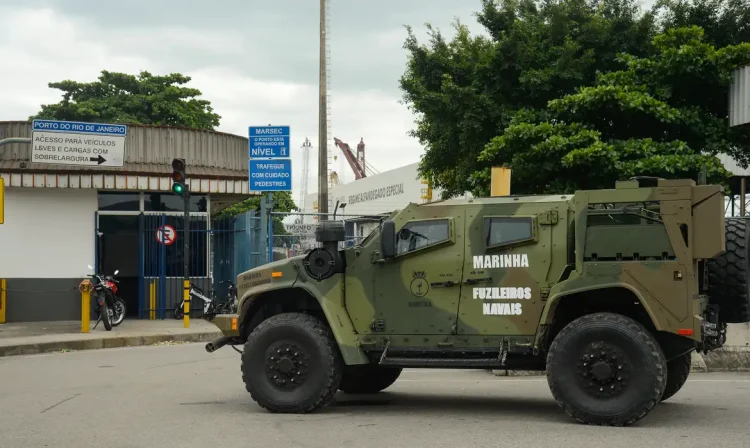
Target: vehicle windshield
(372, 233)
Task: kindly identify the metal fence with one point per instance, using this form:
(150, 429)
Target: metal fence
(220, 249)
(293, 234)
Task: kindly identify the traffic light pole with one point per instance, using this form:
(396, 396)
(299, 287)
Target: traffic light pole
(181, 187)
(186, 259)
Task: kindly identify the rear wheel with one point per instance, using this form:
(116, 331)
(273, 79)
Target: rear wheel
(291, 364)
(606, 369)
(119, 311)
(179, 311)
(368, 379)
(678, 370)
(728, 274)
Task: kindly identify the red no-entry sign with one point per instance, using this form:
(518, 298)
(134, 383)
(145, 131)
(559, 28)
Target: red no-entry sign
(166, 234)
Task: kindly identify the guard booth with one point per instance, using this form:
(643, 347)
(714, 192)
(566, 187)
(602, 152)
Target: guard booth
(107, 201)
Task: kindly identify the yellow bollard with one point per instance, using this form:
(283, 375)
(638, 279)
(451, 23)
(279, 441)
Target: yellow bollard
(85, 287)
(3, 301)
(152, 300)
(186, 297)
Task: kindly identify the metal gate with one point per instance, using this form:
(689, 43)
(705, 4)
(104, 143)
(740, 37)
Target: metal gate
(220, 249)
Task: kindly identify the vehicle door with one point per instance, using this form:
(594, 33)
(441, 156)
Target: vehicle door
(417, 291)
(507, 265)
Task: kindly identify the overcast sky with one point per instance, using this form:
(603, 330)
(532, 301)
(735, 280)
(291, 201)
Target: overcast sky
(255, 60)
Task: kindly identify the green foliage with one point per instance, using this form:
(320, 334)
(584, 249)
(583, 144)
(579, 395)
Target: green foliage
(122, 98)
(725, 22)
(282, 202)
(577, 93)
(467, 91)
(644, 120)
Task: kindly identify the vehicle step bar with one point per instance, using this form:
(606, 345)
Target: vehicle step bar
(481, 363)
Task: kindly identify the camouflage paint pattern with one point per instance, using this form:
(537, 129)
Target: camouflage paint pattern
(290, 273)
(458, 291)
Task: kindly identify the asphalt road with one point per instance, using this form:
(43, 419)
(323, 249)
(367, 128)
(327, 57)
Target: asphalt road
(181, 396)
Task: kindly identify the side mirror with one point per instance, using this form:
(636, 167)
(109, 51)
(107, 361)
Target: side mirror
(388, 239)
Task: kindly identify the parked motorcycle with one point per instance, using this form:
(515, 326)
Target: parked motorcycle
(109, 307)
(211, 306)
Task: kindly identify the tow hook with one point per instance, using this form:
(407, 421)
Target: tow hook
(218, 343)
(714, 331)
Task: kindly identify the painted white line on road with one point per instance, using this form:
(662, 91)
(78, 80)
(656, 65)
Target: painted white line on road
(469, 381)
(503, 380)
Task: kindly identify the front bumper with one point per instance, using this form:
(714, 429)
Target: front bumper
(229, 326)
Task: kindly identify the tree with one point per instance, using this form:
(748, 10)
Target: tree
(724, 22)
(644, 120)
(282, 203)
(467, 91)
(527, 77)
(122, 98)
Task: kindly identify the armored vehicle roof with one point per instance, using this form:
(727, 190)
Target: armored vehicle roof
(503, 200)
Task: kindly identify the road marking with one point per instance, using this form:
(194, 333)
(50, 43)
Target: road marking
(518, 380)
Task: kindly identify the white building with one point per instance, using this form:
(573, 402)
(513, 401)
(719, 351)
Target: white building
(361, 203)
(61, 218)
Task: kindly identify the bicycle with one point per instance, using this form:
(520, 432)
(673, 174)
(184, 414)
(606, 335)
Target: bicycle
(211, 306)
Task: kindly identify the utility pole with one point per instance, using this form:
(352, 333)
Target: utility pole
(323, 119)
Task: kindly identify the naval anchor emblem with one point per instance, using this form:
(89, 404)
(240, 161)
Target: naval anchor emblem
(419, 285)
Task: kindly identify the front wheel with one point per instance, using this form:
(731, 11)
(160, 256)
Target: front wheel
(106, 316)
(291, 364)
(606, 369)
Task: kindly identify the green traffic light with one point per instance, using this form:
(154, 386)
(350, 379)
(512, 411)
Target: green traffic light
(177, 188)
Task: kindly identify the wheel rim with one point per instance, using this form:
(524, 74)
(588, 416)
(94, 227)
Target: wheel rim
(286, 365)
(118, 314)
(604, 370)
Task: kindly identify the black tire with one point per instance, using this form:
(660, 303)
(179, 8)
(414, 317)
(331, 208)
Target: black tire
(179, 311)
(678, 370)
(121, 303)
(728, 274)
(105, 317)
(634, 365)
(291, 347)
(368, 379)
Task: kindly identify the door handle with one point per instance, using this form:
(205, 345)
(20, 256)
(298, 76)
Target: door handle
(447, 284)
(474, 281)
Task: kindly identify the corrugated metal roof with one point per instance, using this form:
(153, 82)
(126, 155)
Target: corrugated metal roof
(148, 149)
(119, 181)
(133, 169)
(739, 97)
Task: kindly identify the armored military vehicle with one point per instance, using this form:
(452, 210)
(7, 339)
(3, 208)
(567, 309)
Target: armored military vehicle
(608, 291)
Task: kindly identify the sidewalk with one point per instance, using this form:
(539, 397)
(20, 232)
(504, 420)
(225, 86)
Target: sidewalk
(44, 337)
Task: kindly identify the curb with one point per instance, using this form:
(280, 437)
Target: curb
(723, 360)
(105, 342)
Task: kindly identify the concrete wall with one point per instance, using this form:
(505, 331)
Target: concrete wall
(47, 241)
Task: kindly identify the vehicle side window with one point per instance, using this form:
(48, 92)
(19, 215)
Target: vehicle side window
(503, 231)
(418, 234)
